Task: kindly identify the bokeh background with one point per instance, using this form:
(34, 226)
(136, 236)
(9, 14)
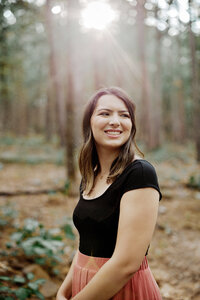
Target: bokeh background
(53, 55)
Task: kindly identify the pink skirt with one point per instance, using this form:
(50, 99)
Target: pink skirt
(142, 286)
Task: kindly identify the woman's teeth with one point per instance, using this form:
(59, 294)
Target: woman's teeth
(113, 132)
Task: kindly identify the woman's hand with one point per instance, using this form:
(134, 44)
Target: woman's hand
(65, 290)
(61, 297)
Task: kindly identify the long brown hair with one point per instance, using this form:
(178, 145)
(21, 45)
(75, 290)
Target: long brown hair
(88, 159)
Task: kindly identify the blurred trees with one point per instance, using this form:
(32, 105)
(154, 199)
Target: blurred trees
(22, 62)
(50, 64)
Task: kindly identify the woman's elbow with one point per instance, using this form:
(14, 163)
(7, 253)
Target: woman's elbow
(131, 268)
(128, 267)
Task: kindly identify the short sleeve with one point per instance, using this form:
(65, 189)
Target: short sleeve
(141, 175)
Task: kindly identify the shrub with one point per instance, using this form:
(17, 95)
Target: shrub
(24, 287)
(37, 243)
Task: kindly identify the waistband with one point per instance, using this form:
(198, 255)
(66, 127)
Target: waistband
(95, 263)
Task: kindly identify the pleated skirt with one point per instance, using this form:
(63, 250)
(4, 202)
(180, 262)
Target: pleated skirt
(142, 286)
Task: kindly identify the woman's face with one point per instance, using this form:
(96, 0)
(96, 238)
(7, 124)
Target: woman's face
(110, 123)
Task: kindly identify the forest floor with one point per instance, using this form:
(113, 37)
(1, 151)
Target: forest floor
(174, 255)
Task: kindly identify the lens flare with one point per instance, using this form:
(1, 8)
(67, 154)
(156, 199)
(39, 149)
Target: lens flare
(97, 15)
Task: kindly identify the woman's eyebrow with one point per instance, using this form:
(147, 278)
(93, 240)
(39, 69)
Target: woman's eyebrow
(121, 111)
(104, 109)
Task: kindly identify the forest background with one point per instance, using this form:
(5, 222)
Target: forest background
(53, 55)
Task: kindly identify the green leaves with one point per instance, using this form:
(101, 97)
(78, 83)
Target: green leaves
(3, 222)
(194, 182)
(42, 249)
(7, 215)
(41, 245)
(24, 292)
(30, 276)
(19, 279)
(68, 231)
(30, 225)
(17, 236)
(5, 278)
(32, 242)
(4, 289)
(35, 285)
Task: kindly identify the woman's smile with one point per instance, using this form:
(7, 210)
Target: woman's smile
(113, 133)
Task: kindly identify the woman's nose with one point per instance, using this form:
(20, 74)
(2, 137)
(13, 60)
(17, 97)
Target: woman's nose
(114, 120)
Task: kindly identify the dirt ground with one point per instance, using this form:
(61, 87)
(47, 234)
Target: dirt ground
(174, 255)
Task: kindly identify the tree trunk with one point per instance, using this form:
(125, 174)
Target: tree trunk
(180, 133)
(146, 116)
(4, 91)
(49, 118)
(54, 85)
(195, 87)
(177, 103)
(157, 113)
(70, 103)
(180, 100)
(19, 106)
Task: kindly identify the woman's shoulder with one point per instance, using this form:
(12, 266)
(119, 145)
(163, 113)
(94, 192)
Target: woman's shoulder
(145, 164)
(141, 165)
(139, 174)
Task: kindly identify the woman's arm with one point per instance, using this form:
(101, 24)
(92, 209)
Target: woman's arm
(65, 290)
(138, 214)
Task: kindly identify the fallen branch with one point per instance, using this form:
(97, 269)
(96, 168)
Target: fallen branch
(33, 192)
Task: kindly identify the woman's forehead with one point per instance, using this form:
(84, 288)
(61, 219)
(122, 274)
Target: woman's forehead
(110, 102)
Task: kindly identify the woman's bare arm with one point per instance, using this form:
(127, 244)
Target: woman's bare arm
(138, 214)
(65, 290)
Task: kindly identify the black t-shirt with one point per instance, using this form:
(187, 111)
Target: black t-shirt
(97, 219)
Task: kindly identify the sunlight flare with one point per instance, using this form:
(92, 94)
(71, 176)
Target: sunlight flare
(56, 9)
(97, 15)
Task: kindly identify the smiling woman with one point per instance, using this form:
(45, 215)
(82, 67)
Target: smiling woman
(117, 210)
(97, 15)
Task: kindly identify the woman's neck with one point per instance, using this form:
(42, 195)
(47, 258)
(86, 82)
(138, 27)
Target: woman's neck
(106, 158)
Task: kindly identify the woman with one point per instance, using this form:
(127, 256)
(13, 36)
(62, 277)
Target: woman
(117, 210)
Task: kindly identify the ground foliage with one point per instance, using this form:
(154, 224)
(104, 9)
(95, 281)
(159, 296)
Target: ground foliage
(37, 235)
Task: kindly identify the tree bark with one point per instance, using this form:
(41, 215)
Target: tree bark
(158, 116)
(49, 119)
(4, 90)
(70, 105)
(180, 100)
(146, 115)
(54, 77)
(195, 86)
(177, 102)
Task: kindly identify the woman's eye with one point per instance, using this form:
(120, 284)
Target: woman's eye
(104, 114)
(125, 116)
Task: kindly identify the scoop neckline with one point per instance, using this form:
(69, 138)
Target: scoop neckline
(85, 199)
